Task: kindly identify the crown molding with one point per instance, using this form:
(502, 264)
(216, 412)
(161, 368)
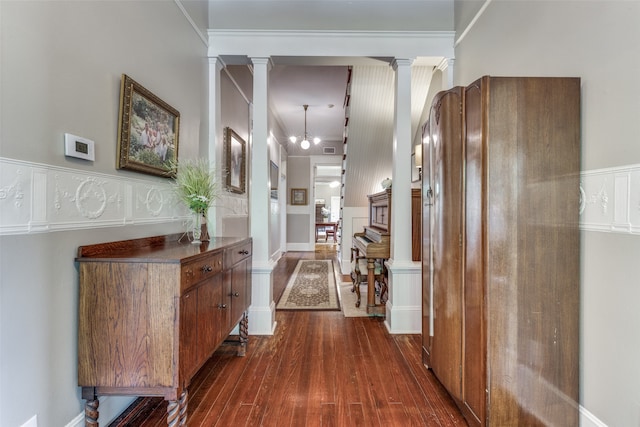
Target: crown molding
(264, 43)
(202, 36)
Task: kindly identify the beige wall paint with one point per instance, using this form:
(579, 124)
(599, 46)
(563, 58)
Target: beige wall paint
(594, 40)
(298, 217)
(60, 68)
(598, 42)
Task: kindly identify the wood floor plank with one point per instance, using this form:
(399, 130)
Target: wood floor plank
(279, 403)
(328, 415)
(432, 391)
(357, 415)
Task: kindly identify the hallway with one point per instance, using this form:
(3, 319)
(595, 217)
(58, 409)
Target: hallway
(318, 369)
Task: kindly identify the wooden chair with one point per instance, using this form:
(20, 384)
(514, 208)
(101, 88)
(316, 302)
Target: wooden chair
(332, 231)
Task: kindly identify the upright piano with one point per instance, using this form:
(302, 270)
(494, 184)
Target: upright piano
(374, 245)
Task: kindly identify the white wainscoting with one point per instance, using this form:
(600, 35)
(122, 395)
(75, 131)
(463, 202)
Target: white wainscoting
(610, 200)
(37, 198)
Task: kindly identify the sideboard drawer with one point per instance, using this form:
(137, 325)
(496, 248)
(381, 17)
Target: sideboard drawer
(236, 254)
(198, 270)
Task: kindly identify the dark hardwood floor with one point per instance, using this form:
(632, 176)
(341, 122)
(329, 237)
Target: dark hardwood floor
(318, 369)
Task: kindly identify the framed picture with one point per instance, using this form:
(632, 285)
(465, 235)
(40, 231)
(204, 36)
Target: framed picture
(148, 130)
(236, 159)
(415, 172)
(298, 196)
(274, 177)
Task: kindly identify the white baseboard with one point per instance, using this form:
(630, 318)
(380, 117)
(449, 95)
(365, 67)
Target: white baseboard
(587, 419)
(109, 409)
(32, 422)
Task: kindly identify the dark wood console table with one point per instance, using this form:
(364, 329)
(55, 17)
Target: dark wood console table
(151, 313)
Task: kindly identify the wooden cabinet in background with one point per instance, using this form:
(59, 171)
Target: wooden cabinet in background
(152, 311)
(237, 271)
(501, 275)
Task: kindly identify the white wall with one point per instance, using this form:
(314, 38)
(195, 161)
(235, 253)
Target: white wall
(60, 69)
(598, 42)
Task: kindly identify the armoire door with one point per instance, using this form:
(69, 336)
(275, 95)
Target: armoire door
(445, 142)
(427, 219)
(474, 360)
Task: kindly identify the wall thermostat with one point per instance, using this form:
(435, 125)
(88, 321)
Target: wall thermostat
(76, 146)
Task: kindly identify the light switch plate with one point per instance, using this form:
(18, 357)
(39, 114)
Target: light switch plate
(77, 146)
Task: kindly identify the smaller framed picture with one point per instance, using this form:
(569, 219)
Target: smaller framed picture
(298, 196)
(236, 158)
(415, 171)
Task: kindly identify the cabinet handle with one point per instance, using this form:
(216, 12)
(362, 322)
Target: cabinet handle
(234, 294)
(244, 252)
(207, 269)
(430, 197)
(221, 306)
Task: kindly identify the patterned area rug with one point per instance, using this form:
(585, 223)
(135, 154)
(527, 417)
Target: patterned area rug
(311, 287)
(348, 300)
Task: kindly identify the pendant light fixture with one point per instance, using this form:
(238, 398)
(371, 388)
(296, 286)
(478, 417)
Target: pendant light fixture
(305, 144)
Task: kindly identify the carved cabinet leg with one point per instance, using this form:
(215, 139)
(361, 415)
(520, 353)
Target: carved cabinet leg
(244, 335)
(91, 412)
(177, 411)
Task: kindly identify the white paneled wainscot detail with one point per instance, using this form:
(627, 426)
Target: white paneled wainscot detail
(36, 198)
(610, 200)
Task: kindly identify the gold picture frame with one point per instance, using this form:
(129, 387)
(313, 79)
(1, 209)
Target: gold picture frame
(236, 159)
(298, 196)
(148, 131)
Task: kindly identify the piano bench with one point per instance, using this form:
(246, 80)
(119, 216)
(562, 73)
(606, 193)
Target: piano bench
(358, 266)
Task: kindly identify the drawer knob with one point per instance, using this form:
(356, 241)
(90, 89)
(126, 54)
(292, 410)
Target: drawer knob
(244, 252)
(222, 306)
(207, 269)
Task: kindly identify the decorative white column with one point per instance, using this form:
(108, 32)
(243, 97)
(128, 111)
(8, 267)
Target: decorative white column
(446, 67)
(215, 148)
(263, 308)
(402, 140)
(403, 309)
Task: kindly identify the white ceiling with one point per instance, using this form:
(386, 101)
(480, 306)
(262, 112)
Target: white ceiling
(322, 88)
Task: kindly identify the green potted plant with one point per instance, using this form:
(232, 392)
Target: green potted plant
(196, 185)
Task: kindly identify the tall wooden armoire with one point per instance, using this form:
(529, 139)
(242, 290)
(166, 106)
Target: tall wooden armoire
(501, 249)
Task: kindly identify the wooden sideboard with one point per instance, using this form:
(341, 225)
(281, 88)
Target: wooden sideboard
(151, 313)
